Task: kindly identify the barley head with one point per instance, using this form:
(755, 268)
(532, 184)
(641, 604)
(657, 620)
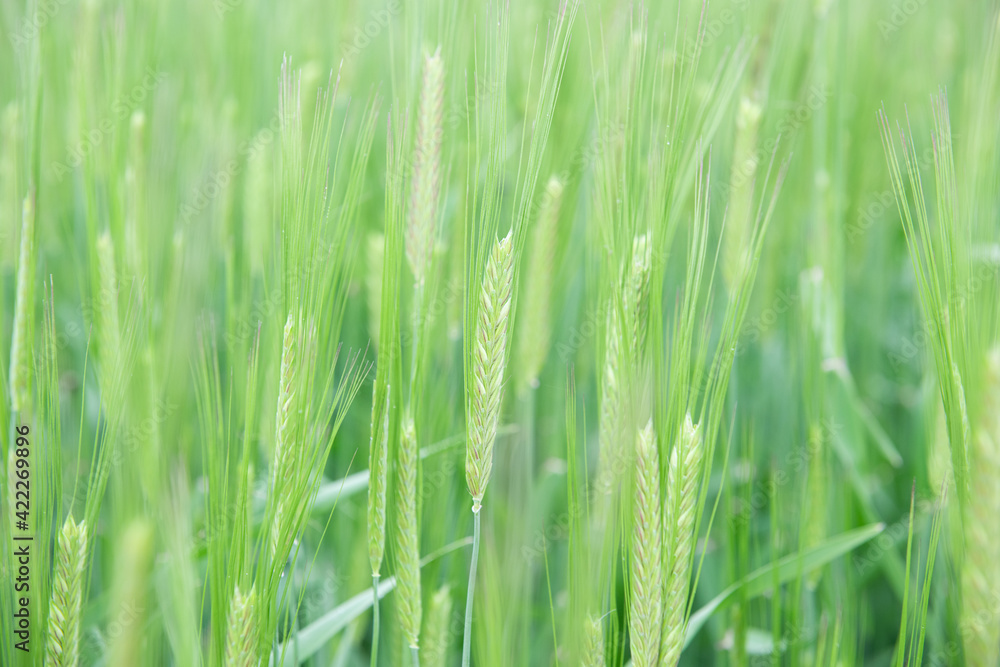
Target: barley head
(489, 359)
(377, 465)
(437, 635)
(62, 646)
(593, 643)
(110, 327)
(285, 458)
(535, 325)
(645, 603)
(678, 529)
(637, 296)
(981, 570)
(408, 575)
(426, 184)
(133, 565)
(241, 640)
(23, 310)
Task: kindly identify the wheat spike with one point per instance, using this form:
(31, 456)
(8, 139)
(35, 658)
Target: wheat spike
(285, 464)
(133, 565)
(377, 464)
(535, 326)
(438, 632)
(62, 646)
(645, 602)
(488, 368)
(678, 529)
(23, 309)
(408, 574)
(981, 570)
(420, 231)
(637, 296)
(241, 640)
(593, 643)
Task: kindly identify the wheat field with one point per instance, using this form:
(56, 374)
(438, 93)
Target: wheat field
(532, 332)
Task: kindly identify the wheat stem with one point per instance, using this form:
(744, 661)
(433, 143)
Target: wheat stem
(467, 636)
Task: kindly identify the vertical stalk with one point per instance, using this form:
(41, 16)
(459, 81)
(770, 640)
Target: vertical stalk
(467, 641)
(375, 619)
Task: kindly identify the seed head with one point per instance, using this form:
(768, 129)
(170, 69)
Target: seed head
(62, 644)
(645, 609)
(489, 359)
(408, 574)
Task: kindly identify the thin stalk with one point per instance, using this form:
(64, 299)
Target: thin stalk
(415, 656)
(375, 620)
(467, 641)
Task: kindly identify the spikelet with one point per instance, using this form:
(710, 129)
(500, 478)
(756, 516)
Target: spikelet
(438, 633)
(744, 168)
(646, 601)
(426, 184)
(107, 302)
(135, 187)
(23, 310)
(62, 645)
(133, 564)
(678, 530)
(981, 570)
(593, 643)
(377, 465)
(488, 368)
(241, 640)
(284, 446)
(408, 574)
(535, 325)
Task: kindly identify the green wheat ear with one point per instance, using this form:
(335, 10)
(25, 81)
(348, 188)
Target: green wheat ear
(593, 643)
(678, 531)
(408, 558)
(62, 645)
(646, 608)
(489, 358)
(437, 634)
(426, 185)
(241, 643)
(285, 448)
(981, 570)
(377, 465)
(535, 324)
(23, 309)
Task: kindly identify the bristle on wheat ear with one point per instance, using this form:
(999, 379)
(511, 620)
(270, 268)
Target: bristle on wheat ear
(489, 360)
(62, 645)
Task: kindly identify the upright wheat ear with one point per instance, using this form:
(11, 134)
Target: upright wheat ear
(241, 641)
(535, 319)
(23, 308)
(488, 368)
(285, 464)
(133, 565)
(646, 600)
(426, 184)
(438, 633)
(377, 465)
(408, 558)
(593, 643)
(62, 645)
(678, 529)
(981, 570)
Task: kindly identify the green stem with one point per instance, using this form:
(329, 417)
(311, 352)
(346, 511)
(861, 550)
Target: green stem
(375, 620)
(415, 656)
(467, 642)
